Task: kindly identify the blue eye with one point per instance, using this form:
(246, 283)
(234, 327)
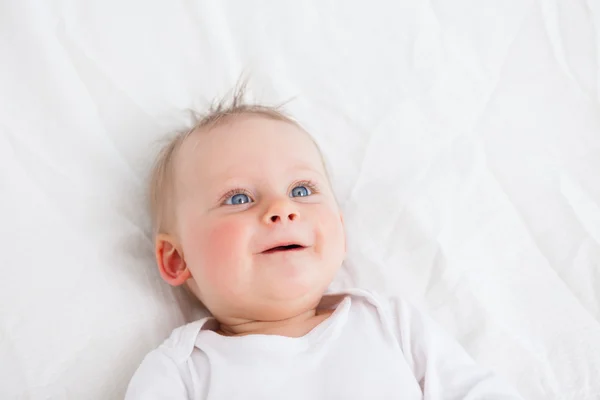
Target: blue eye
(300, 191)
(239, 198)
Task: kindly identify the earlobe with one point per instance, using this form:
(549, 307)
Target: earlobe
(169, 258)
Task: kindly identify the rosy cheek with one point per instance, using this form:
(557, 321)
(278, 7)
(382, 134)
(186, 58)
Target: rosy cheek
(223, 245)
(221, 237)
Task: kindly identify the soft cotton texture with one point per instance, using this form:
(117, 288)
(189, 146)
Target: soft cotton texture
(368, 348)
(464, 145)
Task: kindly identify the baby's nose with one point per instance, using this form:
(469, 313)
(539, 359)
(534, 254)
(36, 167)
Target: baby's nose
(277, 218)
(281, 211)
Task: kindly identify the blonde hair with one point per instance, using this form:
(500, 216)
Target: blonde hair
(161, 177)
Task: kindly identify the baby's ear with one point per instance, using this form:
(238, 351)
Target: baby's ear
(169, 258)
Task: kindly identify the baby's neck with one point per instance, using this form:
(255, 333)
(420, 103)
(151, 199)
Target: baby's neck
(295, 326)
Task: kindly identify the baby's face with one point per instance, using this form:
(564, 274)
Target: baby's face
(257, 221)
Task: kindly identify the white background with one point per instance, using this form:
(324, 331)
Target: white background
(463, 137)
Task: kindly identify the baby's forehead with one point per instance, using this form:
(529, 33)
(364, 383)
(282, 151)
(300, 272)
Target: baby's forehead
(245, 143)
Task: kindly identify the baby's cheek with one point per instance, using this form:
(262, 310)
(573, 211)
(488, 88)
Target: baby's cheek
(332, 228)
(224, 246)
(329, 218)
(221, 238)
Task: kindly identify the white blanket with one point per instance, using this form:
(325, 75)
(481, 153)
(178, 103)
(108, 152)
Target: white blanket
(463, 137)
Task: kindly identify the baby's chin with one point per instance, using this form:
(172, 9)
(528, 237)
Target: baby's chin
(286, 299)
(287, 282)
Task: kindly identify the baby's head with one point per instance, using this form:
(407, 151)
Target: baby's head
(245, 216)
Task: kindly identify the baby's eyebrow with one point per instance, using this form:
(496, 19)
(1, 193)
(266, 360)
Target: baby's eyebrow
(306, 168)
(225, 185)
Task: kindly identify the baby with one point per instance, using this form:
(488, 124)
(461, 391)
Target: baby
(245, 218)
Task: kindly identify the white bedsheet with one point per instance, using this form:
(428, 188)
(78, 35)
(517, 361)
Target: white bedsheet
(463, 136)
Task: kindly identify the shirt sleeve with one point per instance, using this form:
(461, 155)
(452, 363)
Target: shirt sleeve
(441, 365)
(157, 378)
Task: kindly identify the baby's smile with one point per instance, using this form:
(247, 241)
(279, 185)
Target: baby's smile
(289, 247)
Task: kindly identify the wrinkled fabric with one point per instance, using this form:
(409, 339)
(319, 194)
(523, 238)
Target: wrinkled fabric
(463, 138)
(369, 348)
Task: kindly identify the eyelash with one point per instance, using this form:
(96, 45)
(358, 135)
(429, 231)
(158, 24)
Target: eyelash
(309, 184)
(314, 189)
(233, 192)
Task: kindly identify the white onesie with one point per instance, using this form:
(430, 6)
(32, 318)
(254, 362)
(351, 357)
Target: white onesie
(369, 348)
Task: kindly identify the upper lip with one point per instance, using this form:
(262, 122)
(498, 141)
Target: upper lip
(283, 244)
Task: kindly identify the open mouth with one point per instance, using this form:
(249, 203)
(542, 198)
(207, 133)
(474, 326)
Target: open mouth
(289, 247)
